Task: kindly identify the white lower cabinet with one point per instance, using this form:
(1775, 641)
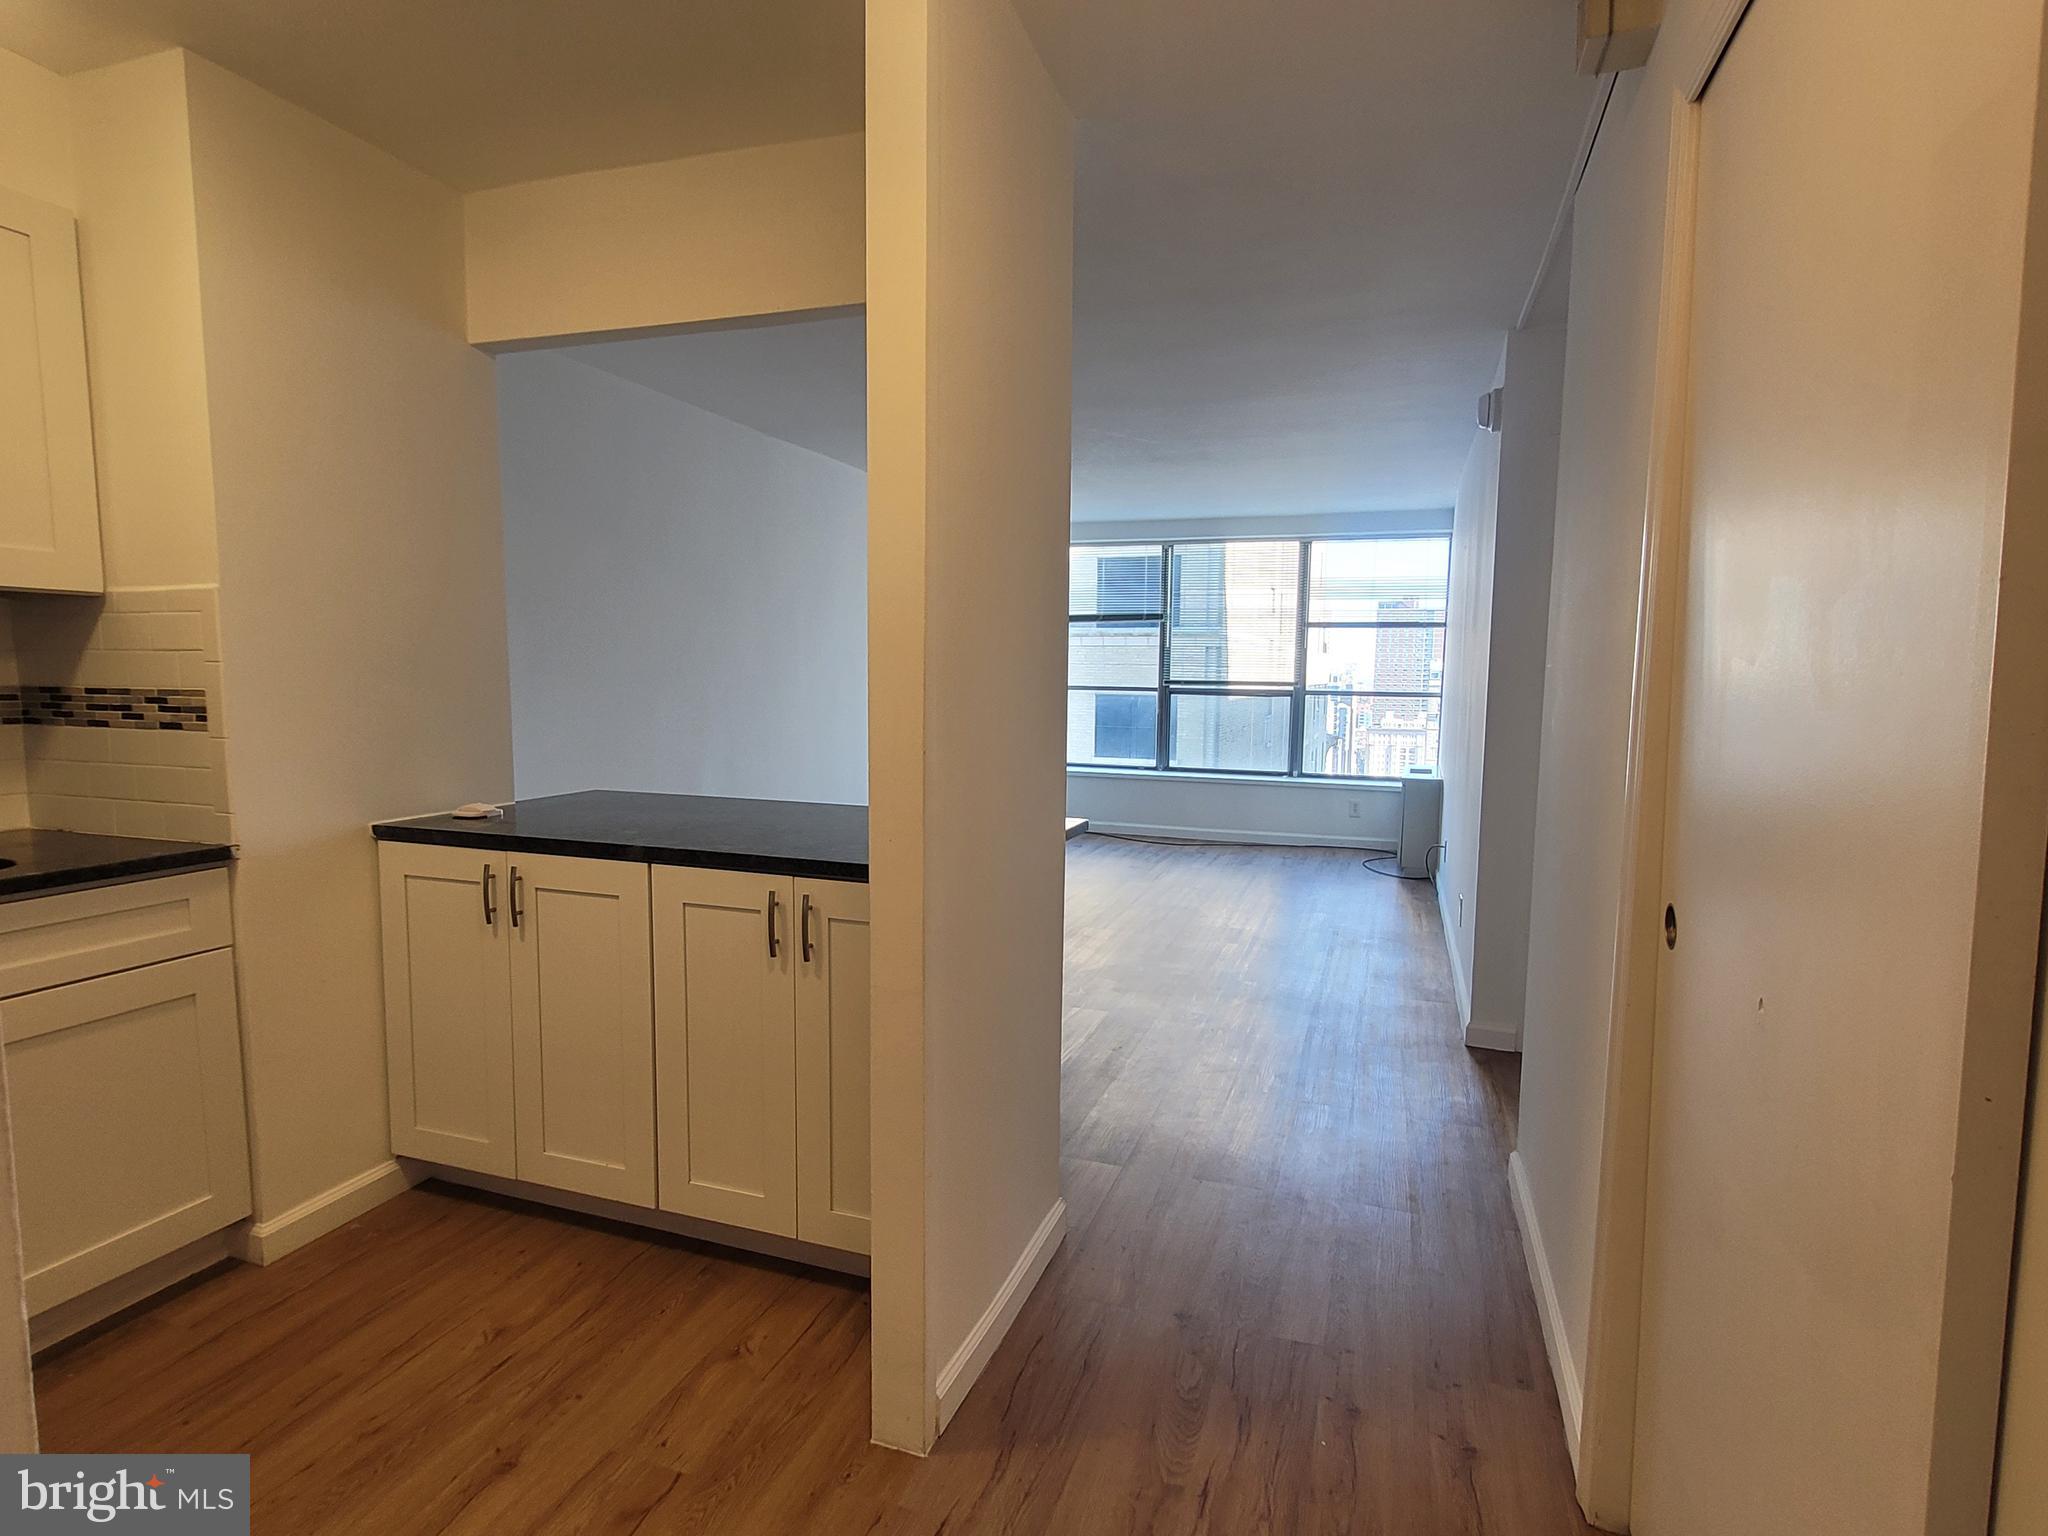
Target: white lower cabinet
(518, 1016)
(725, 1047)
(688, 1040)
(582, 1026)
(448, 1006)
(130, 1138)
(761, 1052)
(832, 1063)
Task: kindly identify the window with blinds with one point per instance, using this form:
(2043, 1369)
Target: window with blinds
(1319, 658)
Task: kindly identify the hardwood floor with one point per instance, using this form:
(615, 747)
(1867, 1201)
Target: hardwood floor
(1291, 1300)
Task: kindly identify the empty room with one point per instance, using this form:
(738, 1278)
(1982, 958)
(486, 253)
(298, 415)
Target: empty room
(1019, 766)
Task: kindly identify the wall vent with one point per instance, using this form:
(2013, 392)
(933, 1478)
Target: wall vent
(1616, 34)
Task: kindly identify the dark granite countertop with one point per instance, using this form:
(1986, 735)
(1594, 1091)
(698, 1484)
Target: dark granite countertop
(770, 837)
(36, 862)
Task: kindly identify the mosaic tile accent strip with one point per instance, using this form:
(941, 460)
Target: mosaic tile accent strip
(134, 709)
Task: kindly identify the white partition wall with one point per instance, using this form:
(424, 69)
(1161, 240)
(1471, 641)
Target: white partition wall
(969, 202)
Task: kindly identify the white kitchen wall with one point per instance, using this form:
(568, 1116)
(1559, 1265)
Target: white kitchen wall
(351, 453)
(687, 596)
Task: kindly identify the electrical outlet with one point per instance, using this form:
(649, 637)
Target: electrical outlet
(1354, 810)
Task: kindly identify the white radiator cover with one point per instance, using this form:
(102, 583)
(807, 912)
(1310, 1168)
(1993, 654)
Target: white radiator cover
(1422, 820)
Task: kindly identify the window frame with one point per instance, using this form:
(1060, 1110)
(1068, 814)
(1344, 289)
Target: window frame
(1298, 694)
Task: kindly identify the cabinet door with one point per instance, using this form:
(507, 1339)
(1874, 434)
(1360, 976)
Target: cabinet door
(582, 1025)
(49, 496)
(447, 1005)
(725, 1046)
(129, 1133)
(832, 1064)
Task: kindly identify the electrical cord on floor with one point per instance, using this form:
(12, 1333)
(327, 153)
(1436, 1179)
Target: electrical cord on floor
(1394, 874)
(1168, 842)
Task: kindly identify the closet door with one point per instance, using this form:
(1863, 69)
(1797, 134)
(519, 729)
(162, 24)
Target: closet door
(1839, 1043)
(725, 955)
(582, 1024)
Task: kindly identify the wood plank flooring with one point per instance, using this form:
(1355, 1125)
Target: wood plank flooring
(1292, 1298)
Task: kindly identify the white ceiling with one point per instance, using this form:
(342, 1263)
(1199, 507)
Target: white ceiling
(485, 92)
(804, 381)
(1301, 229)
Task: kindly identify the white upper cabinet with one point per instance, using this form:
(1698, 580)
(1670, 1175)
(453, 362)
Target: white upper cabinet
(49, 494)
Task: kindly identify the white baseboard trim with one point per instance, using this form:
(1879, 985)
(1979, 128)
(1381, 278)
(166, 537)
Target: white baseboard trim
(816, 1254)
(1222, 835)
(265, 1242)
(1562, 1370)
(1492, 1037)
(1460, 987)
(972, 1357)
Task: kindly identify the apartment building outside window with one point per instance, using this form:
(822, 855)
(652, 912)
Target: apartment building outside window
(1285, 658)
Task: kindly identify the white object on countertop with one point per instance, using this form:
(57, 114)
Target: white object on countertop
(476, 810)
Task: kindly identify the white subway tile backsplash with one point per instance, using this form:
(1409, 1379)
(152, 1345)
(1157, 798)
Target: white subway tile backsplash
(113, 781)
(122, 632)
(13, 738)
(133, 774)
(141, 818)
(175, 632)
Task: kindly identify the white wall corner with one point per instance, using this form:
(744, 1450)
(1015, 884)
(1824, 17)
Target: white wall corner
(265, 1242)
(1564, 1371)
(960, 1373)
(1485, 1035)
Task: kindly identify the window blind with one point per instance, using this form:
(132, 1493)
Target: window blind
(1121, 579)
(1232, 613)
(1379, 581)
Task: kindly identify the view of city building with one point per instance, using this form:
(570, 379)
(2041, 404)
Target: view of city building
(1317, 658)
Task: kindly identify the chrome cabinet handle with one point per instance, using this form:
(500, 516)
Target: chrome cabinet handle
(772, 950)
(807, 928)
(518, 893)
(490, 897)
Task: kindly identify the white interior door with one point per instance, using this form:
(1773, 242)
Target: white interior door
(448, 1005)
(1862, 172)
(582, 1024)
(725, 955)
(832, 985)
